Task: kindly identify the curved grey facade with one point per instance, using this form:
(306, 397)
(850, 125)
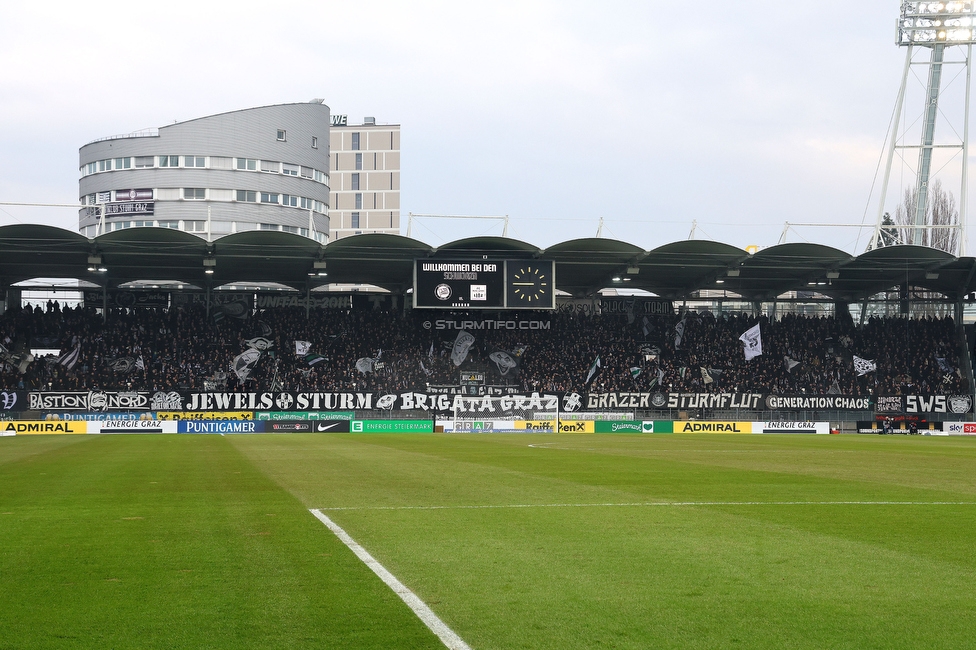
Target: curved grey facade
(261, 168)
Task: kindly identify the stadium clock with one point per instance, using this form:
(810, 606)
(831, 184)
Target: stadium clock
(530, 285)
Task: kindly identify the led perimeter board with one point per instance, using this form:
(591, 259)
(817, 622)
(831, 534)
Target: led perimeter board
(484, 284)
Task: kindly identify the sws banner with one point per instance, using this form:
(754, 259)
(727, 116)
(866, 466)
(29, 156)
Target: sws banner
(957, 404)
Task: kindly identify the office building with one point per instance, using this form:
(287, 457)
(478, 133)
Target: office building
(263, 168)
(365, 177)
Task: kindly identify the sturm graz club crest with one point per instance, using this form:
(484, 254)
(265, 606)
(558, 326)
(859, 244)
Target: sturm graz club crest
(960, 403)
(572, 402)
(284, 401)
(442, 291)
(659, 400)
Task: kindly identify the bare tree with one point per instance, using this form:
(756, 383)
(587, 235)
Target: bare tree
(940, 211)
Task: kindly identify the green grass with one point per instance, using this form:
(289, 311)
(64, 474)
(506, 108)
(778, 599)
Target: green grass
(206, 541)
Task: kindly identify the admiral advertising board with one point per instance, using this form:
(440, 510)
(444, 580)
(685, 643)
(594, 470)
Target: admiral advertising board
(484, 284)
(42, 427)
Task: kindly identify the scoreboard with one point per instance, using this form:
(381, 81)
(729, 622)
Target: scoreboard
(484, 284)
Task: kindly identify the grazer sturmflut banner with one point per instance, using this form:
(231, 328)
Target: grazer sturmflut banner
(746, 401)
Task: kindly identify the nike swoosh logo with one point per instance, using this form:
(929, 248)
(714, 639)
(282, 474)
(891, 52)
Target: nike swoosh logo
(326, 427)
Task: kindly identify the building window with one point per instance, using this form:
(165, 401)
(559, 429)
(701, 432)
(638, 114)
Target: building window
(315, 142)
(268, 226)
(288, 168)
(267, 197)
(281, 135)
(105, 165)
(307, 172)
(194, 161)
(194, 193)
(359, 161)
(91, 168)
(195, 226)
(144, 161)
(355, 141)
(359, 201)
(123, 163)
(355, 220)
(270, 166)
(291, 229)
(169, 161)
(306, 203)
(175, 225)
(248, 196)
(320, 177)
(355, 181)
(289, 199)
(248, 164)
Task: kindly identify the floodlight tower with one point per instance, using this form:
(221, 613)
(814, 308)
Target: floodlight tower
(937, 27)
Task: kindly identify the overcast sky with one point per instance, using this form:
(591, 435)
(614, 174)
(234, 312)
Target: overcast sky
(738, 115)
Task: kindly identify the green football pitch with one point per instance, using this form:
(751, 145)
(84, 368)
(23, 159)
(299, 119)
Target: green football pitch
(513, 541)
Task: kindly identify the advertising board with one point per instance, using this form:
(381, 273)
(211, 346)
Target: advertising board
(41, 427)
(391, 426)
(131, 426)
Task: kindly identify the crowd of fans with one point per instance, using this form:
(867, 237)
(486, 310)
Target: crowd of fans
(392, 351)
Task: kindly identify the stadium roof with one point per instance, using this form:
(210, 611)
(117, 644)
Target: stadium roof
(583, 266)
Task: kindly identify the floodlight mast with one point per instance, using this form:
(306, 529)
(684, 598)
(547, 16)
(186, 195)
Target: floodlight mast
(937, 26)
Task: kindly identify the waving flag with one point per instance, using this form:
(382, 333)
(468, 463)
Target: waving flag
(752, 341)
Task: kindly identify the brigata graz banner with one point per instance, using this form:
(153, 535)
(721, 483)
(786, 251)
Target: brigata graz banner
(440, 402)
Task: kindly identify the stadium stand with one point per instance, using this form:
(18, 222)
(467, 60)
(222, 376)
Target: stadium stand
(181, 348)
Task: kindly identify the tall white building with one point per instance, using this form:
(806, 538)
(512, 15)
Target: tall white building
(263, 168)
(364, 168)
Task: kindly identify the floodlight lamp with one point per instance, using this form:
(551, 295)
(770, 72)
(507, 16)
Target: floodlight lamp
(616, 278)
(928, 23)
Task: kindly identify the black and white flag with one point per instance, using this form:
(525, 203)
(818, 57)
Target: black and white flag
(260, 343)
(244, 362)
(504, 361)
(462, 344)
(863, 366)
(365, 364)
(302, 348)
(679, 332)
(70, 358)
(593, 368)
(752, 342)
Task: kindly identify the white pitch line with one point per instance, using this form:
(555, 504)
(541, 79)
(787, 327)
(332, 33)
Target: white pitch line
(660, 504)
(447, 636)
